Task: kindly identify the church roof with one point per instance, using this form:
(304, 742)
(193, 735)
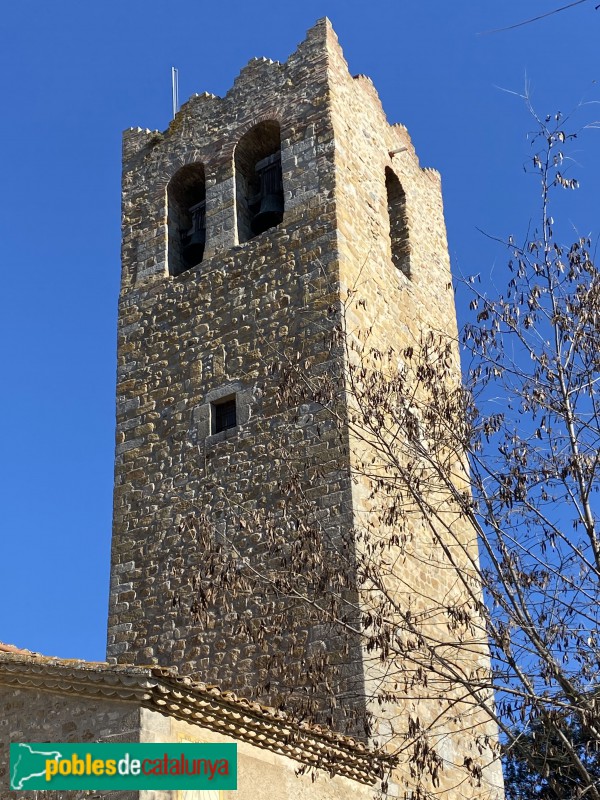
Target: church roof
(164, 690)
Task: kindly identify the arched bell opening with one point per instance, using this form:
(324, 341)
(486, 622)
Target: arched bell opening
(396, 206)
(186, 195)
(258, 180)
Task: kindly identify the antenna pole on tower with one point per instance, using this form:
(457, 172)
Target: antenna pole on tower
(175, 89)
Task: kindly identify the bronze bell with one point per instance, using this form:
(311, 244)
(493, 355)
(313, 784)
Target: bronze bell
(269, 214)
(194, 239)
(270, 211)
(192, 248)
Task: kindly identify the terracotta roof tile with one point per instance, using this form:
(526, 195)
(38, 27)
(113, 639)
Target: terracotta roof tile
(11, 648)
(164, 690)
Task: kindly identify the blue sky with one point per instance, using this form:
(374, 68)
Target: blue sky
(73, 75)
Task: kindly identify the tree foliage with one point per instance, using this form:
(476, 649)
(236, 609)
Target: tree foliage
(539, 766)
(535, 476)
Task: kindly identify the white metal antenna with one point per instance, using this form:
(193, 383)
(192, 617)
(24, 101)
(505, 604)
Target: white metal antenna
(175, 89)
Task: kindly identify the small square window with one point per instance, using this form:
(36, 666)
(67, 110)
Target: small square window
(224, 415)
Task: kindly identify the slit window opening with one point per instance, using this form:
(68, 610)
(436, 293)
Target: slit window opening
(396, 207)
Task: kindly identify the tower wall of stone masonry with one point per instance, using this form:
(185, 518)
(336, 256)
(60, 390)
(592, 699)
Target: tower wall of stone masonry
(186, 341)
(397, 310)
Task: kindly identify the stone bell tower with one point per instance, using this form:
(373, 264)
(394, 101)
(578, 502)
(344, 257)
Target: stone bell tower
(244, 224)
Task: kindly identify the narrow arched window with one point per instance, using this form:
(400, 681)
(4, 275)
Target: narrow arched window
(258, 180)
(186, 196)
(396, 206)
